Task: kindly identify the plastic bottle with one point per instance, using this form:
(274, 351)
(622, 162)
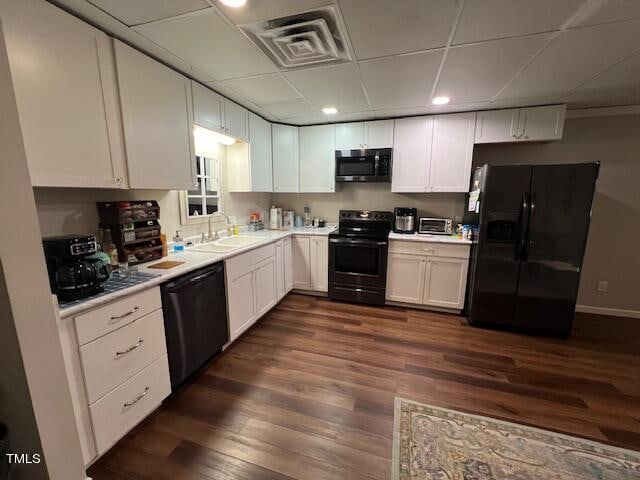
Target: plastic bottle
(178, 242)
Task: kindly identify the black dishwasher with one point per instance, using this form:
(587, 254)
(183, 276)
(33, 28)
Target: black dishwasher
(195, 320)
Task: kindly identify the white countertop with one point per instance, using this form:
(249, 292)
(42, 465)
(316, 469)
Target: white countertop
(421, 237)
(193, 260)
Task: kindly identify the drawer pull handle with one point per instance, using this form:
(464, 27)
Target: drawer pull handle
(428, 250)
(126, 314)
(137, 399)
(130, 349)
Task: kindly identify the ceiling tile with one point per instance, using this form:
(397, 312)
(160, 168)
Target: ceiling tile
(400, 112)
(459, 107)
(336, 86)
(306, 120)
(253, 11)
(610, 11)
(574, 57)
(207, 42)
(290, 108)
(263, 89)
(603, 98)
(378, 27)
(142, 11)
(351, 117)
(625, 74)
(490, 19)
(477, 72)
(400, 81)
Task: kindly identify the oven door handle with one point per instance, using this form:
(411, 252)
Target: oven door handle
(358, 242)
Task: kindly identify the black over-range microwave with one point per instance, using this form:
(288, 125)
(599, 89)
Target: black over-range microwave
(367, 165)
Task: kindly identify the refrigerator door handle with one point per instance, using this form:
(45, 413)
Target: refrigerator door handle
(522, 228)
(528, 241)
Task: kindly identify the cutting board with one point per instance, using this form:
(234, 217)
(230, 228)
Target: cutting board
(166, 264)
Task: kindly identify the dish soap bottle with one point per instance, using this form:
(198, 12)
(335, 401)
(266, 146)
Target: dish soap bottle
(178, 242)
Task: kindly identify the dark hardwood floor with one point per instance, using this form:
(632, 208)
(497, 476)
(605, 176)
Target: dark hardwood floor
(308, 393)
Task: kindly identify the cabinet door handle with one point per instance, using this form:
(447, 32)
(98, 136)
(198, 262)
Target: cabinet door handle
(130, 349)
(125, 314)
(137, 399)
(428, 250)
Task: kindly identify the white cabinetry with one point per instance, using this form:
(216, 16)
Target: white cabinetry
(236, 120)
(311, 263)
(528, 124)
(411, 154)
(451, 152)
(317, 159)
(64, 81)
(208, 108)
(260, 154)
(284, 268)
(157, 113)
(251, 287)
(429, 274)
(285, 147)
(357, 135)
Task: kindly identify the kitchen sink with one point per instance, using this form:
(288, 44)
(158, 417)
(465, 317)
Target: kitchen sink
(212, 248)
(240, 241)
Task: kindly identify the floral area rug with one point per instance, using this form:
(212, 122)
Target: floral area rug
(432, 443)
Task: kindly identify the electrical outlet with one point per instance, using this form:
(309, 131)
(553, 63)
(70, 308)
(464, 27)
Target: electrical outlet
(603, 285)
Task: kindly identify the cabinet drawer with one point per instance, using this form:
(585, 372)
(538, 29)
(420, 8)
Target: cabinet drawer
(429, 248)
(122, 409)
(112, 316)
(116, 357)
(245, 262)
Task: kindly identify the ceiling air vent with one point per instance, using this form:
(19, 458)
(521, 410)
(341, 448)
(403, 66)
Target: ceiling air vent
(303, 40)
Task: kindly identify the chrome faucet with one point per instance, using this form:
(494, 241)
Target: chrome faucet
(210, 235)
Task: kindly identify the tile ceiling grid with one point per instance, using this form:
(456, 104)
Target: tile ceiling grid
(278, 71)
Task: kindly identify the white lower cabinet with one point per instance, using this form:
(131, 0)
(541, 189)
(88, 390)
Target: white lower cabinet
(311, 263)
(251, 287)
(427, 274)
(284, 268)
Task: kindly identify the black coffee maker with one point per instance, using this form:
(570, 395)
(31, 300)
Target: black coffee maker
(73, 273)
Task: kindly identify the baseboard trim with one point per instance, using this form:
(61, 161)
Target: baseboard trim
(615, 312)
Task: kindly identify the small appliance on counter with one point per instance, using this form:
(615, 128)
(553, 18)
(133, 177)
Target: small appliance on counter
(405, 220)
(275, 218)
(74, 270)
(435, 226)
(134, 229)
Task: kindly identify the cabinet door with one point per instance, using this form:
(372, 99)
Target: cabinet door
(264, 286)
(285, 158)
(445, 282)
(236, 120)
(158, 120)
(208, 108)
(64, 82)
(241, 301)
(541, 123)
(317, 159)
(405, 277)
(350, 136)
(301, 248)
(287, 259)
(260, 153)
(378, 134)
(411, 154)
(451, 152)
(495, 126)
(320, 264)
(279, 270)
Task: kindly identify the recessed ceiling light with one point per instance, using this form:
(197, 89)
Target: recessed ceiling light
(233, 3)
(329, 110)
(440, 100)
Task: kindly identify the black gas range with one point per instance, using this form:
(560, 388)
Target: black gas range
(358, 256)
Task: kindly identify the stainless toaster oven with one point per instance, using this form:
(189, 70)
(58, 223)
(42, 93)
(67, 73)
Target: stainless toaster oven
(435, 226)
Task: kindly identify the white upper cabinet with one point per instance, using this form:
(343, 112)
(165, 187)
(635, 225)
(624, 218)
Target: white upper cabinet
(157, 115)
(208, 108)
(358, 135)
(411, 154)
(378, 134)
(451, 152)
(541, 123)
(236, 120)
(317, 159)
(285, 159)
(528, 124)
(64, 81)
(260, 154)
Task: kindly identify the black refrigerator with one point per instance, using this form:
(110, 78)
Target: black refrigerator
(525, 262)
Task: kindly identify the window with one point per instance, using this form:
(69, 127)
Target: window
(196, 205)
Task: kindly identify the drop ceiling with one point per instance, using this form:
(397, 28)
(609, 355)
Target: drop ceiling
(400, 54)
